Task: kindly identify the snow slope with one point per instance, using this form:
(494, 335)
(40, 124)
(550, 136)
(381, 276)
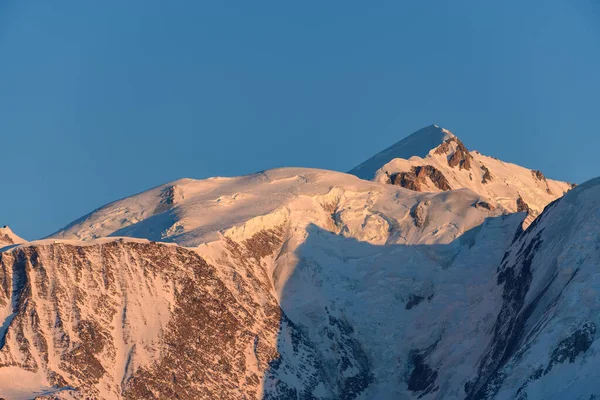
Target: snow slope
(418, 144)
(192, 212)
(544, 342)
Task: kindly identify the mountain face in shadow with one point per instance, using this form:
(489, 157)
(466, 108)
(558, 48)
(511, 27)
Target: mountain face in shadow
(435, 321)
(382, 318)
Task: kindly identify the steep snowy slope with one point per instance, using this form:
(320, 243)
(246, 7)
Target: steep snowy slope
(418, 144)
(408, 317)
(449, 165)
(544, 340)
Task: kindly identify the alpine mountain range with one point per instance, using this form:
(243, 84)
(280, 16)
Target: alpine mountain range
(429, 271)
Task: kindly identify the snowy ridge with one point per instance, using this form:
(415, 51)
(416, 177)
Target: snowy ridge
(418, 144)
(191, 212)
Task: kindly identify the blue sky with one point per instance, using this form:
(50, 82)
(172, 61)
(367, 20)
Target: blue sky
(101, 100)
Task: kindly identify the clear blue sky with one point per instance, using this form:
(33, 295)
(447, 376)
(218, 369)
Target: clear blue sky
(103, 99)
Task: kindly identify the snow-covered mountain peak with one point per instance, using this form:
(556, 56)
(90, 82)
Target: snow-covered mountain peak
(450, 165)
(419, 144)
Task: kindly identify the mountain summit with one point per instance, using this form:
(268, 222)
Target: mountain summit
(433, 160)
(417, 144)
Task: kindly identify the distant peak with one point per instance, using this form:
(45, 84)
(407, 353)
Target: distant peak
(419, 144)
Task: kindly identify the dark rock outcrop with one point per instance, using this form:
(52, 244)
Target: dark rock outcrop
(419, 213)
(568, 349)
(415, 299)
(538, 175)
(461, 157)
(443, 148)
(485, 204)
(407, 180)
(68, 299)
(169, 198)
(415, 179)
(487, 175)
(6, 240)
(521, 205)
(422, 378)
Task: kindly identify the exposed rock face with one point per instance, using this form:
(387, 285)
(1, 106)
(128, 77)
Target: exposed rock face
(407, 180)
(485, 204)
(487, 175)
(352, 363)
(538, 175)
(571, 347)
(422, 379)
(415, 299)
(6, 240)
(443, 148)
(461, 157)
(419, 213)
(521, 205)
(170, 196)
(189, 334)
(416, 178)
